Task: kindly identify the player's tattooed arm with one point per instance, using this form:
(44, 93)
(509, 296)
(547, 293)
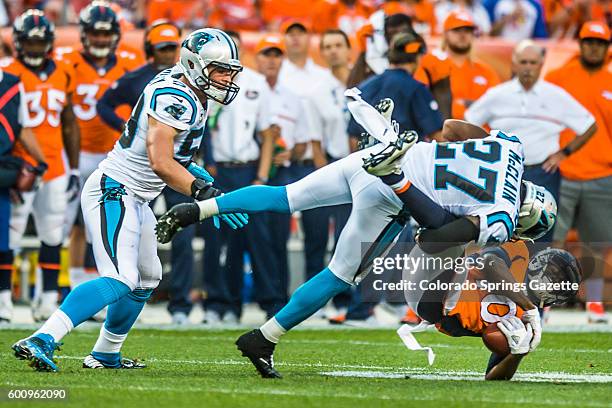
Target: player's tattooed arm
(71, 135)
(160, 149)
(455, 130)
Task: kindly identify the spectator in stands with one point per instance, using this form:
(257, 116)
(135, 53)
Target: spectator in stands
(423, 16)
(469, 79)
(13, 114)
(184, 13)
(479, 14)
(243, 144)
(536, 111)
(161, 44)
(274, 12)
(287, 121)
(346, 15)
(586, 185)
(516, 20)
(565, 17)
(235, 15)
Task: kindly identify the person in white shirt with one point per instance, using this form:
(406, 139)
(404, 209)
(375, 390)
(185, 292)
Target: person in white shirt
(309, 80)
(536, 112)
(289, 135)
(242, 144)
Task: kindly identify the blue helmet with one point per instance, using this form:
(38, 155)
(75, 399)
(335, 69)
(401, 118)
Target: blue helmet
(99, 17)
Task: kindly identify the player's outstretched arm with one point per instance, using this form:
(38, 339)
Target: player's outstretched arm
(455, 130)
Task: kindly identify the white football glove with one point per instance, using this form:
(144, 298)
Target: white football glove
(533, 317)
(518, 334)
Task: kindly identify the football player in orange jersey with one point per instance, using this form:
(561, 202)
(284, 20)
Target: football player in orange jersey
(97, 65)
(475, 310)
(49, 85)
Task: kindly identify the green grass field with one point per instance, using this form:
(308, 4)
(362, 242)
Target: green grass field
(339, 368)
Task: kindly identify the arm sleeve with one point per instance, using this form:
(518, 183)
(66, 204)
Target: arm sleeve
(113, 97)
(494, 360)
(539, 30)
(425, 112)
(458, 232)
(173, 107)
(572, 113)
(478, 113)
(23, 108)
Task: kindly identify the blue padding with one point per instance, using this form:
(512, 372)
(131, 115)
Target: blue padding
(122, 314)
(90, 297)
(255, 199)
(310, 297)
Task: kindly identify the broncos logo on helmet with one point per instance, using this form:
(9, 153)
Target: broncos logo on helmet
(205, 51)
(550, 266)
(100, 32)
(33, 35)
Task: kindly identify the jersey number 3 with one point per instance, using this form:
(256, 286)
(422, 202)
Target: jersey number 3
(443, 177)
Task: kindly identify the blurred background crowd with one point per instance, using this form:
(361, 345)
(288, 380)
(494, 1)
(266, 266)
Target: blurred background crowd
(539, 69)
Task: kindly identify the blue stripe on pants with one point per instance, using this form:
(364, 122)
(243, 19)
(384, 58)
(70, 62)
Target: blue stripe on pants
(112, 212)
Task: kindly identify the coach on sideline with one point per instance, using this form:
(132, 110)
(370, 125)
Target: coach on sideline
(161, 43)
(536, 112)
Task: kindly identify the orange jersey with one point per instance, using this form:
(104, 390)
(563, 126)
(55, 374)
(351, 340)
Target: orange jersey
(46, 95)
(90, 85)
(476, 309)
(594, 91)
(433, 67)
(468, 83)
(330, 14)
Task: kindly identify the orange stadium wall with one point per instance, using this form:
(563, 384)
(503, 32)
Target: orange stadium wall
(493, 51)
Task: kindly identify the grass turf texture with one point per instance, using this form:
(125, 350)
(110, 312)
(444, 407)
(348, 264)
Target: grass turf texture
(203, 368)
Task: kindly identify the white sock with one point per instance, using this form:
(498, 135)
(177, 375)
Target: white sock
(58, 325)
(208, 208)
(6, 304)
(109, 342)
(272, 330)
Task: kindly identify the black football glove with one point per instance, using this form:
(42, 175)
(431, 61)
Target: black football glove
(202, 190)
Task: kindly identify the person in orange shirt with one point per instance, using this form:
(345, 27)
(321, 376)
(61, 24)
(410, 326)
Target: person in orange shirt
(96, 66)
(235, 15)
(424, 16)
(346, 15)
(183, 13)
(469, 79)
(512, 305)
(49, 86)
(586, 184)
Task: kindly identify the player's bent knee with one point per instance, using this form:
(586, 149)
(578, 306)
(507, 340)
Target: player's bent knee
(141, 294)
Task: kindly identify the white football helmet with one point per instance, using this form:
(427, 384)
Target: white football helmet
(202, 52)
(537, 213)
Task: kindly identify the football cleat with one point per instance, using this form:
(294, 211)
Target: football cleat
(388, 160)
(38, 349)
(179, 216)
(125, 363)
(596, 313)
(259, 350)
(385, 107)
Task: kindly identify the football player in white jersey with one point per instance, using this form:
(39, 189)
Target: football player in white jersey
(155, 150)
(462, 192)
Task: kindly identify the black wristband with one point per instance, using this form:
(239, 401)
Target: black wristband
(566, 151)
(201, 190)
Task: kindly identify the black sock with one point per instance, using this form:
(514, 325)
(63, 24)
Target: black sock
(49, 261)
(6, 269)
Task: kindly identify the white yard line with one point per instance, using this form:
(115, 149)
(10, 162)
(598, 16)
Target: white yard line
(421, 373)
(327, 395)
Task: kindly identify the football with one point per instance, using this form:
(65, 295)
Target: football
(495, 340)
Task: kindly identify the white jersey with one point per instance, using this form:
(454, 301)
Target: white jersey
(171, 102)
(479, 177)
